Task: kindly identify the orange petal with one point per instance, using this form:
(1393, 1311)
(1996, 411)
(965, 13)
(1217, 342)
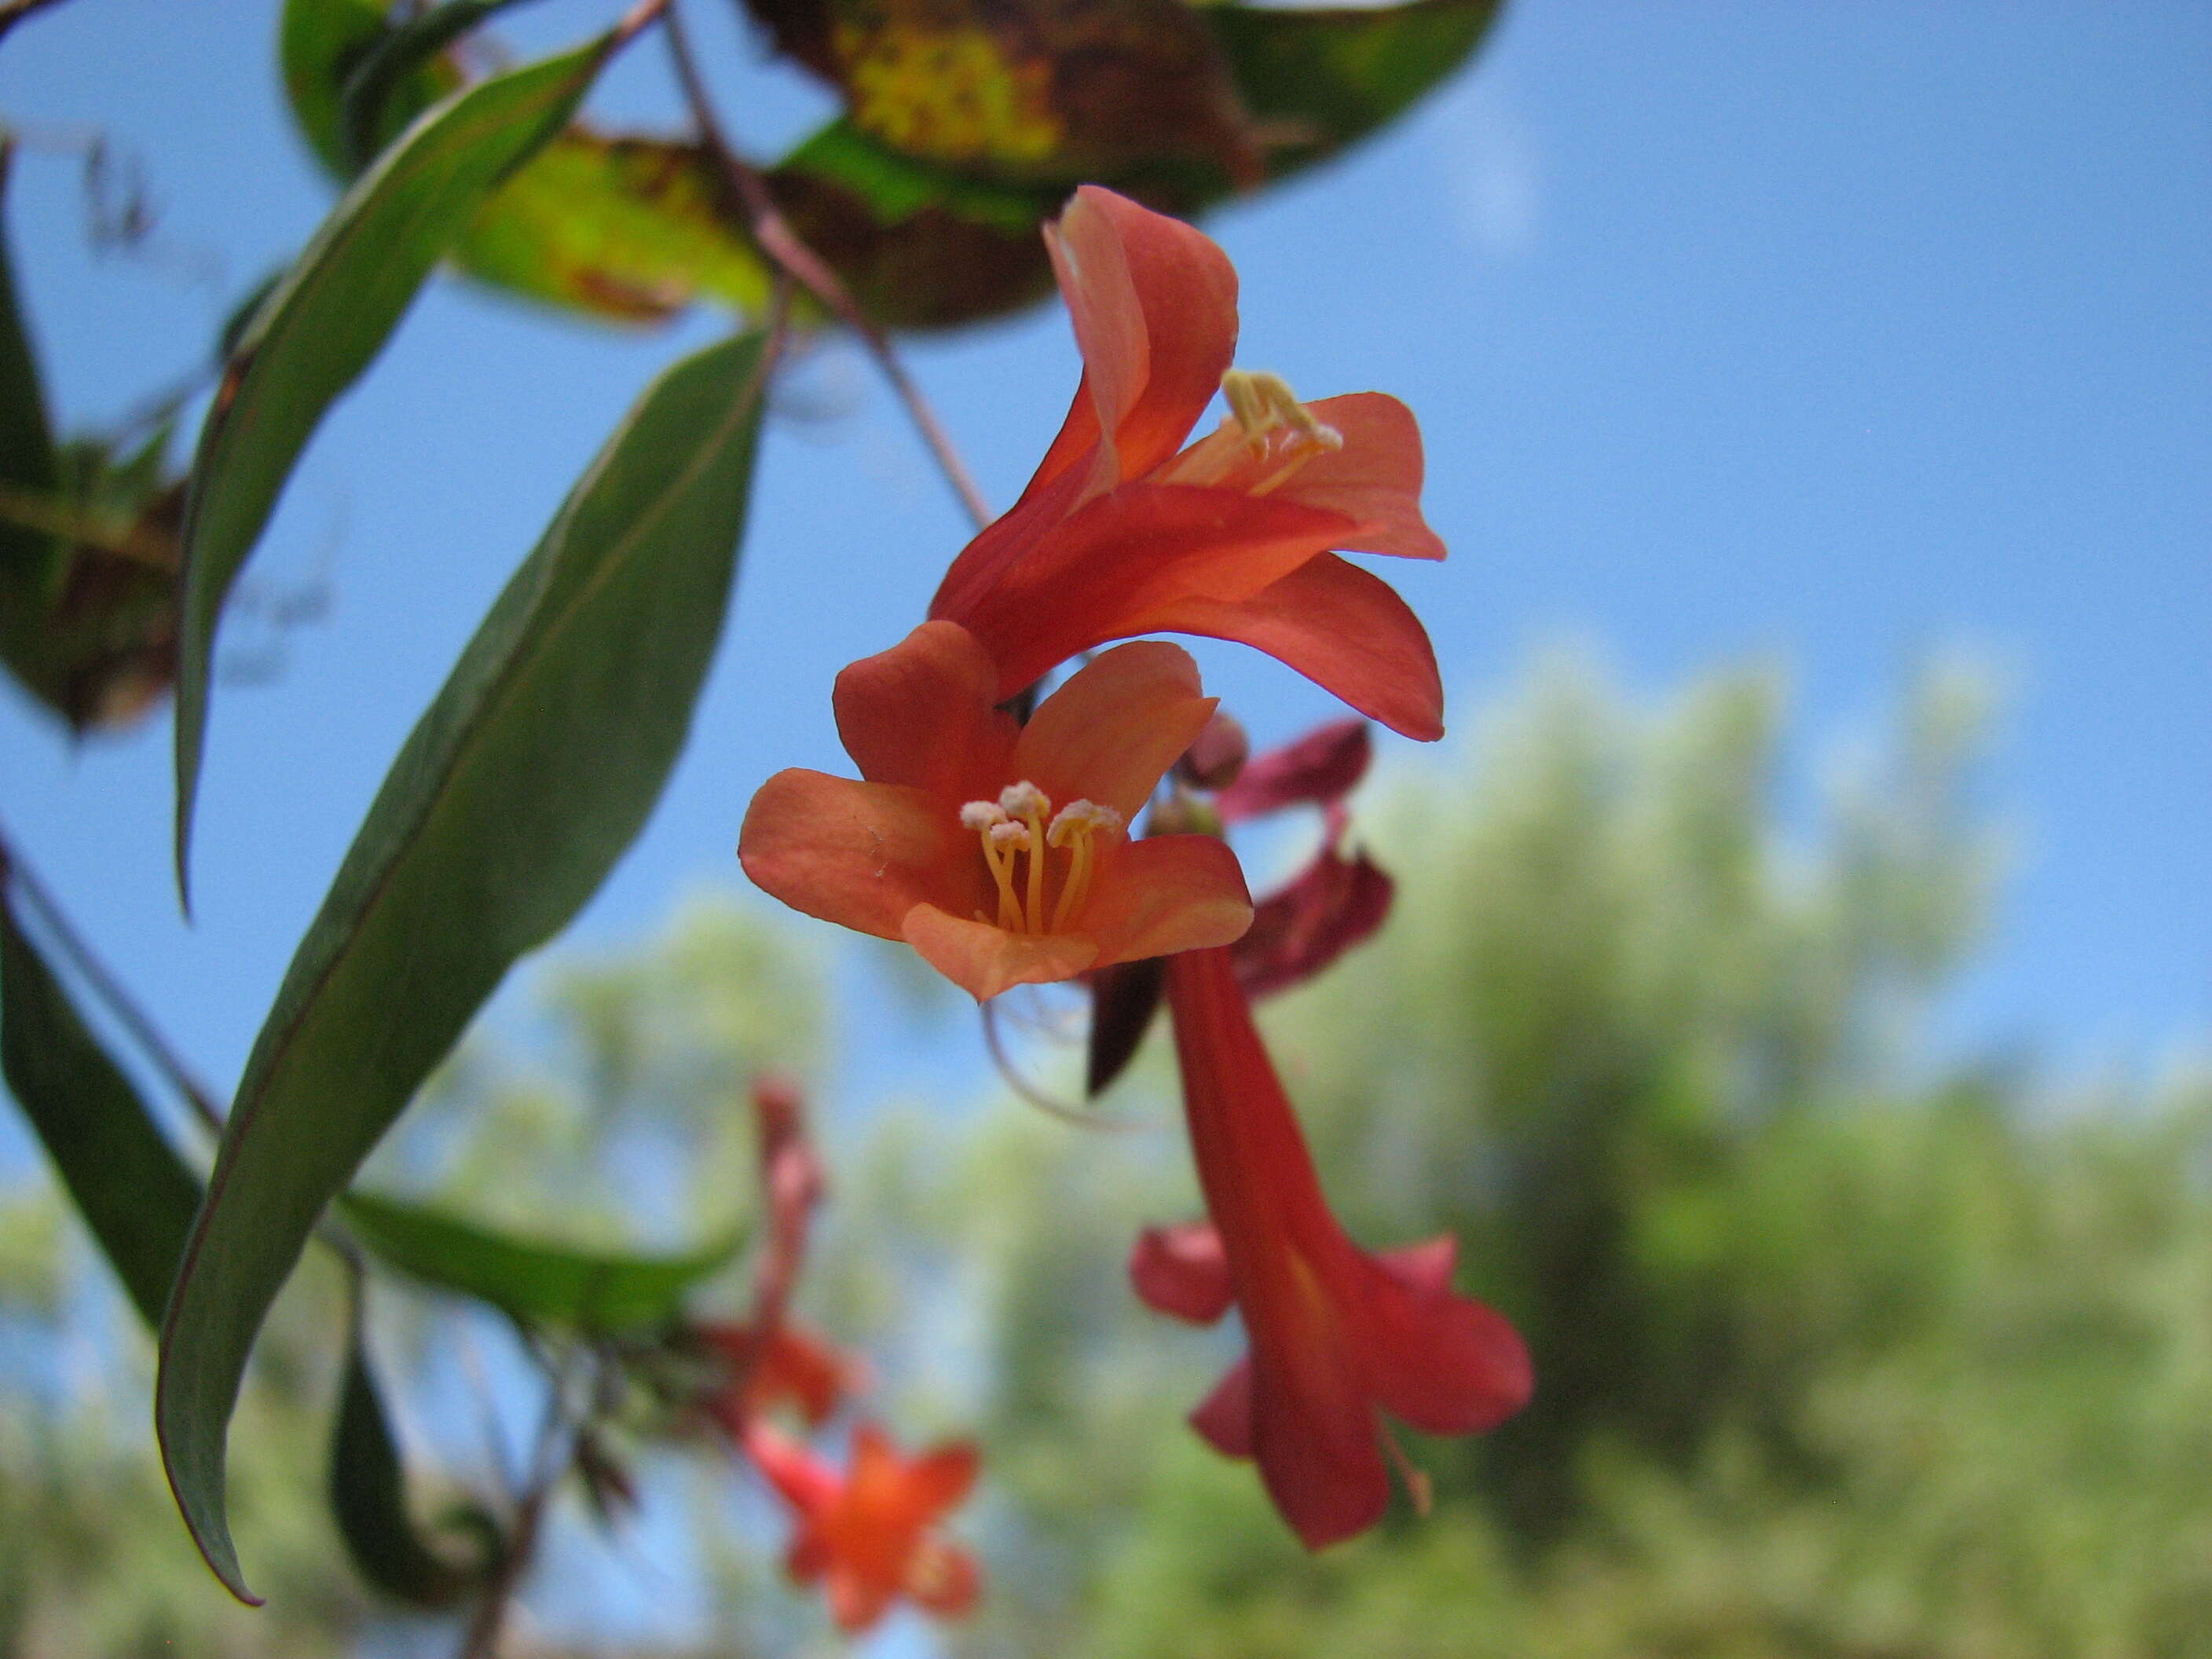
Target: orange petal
(944, 1579)
(1223, 1417)
(1445, 1363)
(1340, 627)
(1118, 724)
(858, 1599)
(1374, 478)
(1103, 573)
(860, 854)
(923, 713)
(1154, 306)
(1166, 894)
(1182, 1272)
(983, 960)
(939, 1480)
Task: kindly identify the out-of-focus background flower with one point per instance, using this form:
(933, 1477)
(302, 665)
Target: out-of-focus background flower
(1795, 995)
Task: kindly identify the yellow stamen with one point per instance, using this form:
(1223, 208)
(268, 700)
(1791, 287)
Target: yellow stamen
(1010, 908)
(1034, 847)
(1267, 413)
(1014, 825)
(1077, 822)
(1078, 882)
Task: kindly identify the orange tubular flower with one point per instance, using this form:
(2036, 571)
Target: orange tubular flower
(869, 1534)
(1118, 534)
(1001, 853)
(792, 1366)
(1335, 1333)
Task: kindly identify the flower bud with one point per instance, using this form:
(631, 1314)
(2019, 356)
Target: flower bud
(1213, 761)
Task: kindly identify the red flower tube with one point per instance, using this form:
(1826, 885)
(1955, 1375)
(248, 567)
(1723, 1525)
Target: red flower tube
(1336, 1334)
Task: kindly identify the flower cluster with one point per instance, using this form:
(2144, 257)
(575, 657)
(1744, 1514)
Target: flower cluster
(867, 1534)
(1001, 848)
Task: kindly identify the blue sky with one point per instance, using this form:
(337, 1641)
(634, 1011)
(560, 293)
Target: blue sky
(1833, 336)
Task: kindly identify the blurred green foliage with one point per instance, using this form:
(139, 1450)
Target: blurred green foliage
(1845, 1349)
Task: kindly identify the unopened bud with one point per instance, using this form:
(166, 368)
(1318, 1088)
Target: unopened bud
(1217, 756)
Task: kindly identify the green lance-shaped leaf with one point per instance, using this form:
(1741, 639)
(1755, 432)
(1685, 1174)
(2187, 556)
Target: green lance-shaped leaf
(136, 1194)
(382, 86)
(323, 325)
(1321, 79)
(532, 770)
(321, 45)
(33, 559)
(368, 1497)
(137, 1198)
(535, 1281)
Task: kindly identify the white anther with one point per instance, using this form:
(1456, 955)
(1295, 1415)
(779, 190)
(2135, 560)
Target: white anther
(1006, 833)
(1024, 800)
(1081, 817)
(981, 815)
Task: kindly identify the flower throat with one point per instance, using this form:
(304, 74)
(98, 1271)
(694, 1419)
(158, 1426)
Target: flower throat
(1014, 828)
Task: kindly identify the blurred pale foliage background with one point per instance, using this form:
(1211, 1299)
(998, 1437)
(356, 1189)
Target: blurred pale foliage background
(1843, 1350)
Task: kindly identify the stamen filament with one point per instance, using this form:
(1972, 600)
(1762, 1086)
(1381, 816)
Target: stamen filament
(1035, 849)
(1079, 878)
(1010, 908)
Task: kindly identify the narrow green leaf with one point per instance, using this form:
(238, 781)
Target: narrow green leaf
(330, 316)
(320, 44)
(1326, 77)
(368, 1497)
(401, 62)
(33, 559)
(137, 1199)
(535, 1280)
(135, 1193)
(531, 771)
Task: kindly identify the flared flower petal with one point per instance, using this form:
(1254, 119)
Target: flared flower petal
(1153, 303)
(1181, 1271)
(1112, 732)
(1336, 1334)
(862, 855)
(1166, 894)
(1374, 478)
(925, 714)
(1114, 568)
(1342, 629)
(1332, 905)
(1318, 769)
(984, 960)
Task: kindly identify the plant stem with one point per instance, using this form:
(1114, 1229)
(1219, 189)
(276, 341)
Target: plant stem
(549, 1464)
(782, 245)
(127, 1012)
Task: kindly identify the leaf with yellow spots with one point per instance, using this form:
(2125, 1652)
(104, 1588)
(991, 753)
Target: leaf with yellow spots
(1027, 90)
